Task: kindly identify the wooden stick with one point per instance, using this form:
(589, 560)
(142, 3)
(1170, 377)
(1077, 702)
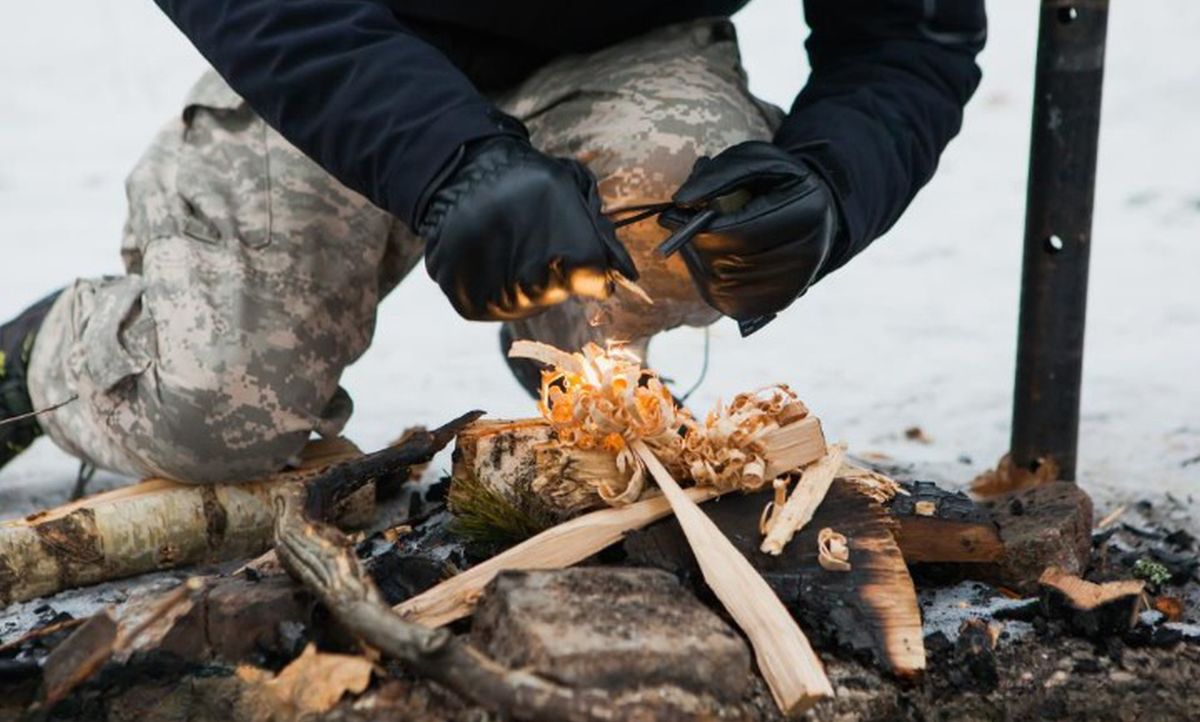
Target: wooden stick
(785, 658)
(156, 524)
(798, 510)
(560, 546)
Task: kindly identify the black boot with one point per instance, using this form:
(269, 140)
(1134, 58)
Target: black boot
(16, 343)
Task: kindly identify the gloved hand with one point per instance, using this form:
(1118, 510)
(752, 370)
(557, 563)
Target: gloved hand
(511, 231)
(757, 259)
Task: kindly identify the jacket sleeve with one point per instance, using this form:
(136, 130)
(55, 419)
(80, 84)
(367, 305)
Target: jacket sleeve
(348, 84)
(886, 94)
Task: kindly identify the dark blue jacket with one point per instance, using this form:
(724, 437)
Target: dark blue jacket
(382, 92)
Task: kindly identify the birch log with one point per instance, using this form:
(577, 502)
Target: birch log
(152, 525)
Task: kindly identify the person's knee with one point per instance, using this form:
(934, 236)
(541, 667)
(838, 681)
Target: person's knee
(225, 421)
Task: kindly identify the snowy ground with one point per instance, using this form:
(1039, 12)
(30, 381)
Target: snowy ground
(919, 331)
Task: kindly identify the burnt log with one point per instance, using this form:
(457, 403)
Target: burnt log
(935, 526)
(870, 611)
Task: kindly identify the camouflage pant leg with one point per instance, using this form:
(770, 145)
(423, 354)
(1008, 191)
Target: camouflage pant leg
(639, 114)
(253, 278)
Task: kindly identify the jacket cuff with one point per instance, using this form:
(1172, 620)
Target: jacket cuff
(437, 145)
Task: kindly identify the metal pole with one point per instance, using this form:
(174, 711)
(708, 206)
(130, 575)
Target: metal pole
(1058, 232)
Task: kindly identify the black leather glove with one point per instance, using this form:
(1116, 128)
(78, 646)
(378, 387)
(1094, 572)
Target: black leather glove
(755, 260)
(511, 231)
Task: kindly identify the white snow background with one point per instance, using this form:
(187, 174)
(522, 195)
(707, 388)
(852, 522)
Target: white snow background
(919, 331)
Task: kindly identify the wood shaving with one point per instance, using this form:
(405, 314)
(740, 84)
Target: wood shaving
(880, 487)
(727, 450)
(602, 398)
(833, 551)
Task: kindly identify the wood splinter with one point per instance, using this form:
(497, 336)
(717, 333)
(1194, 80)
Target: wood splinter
(788, 664)
(782, 522)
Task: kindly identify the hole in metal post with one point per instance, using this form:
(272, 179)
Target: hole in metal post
(1067, 15)
(1053, 244)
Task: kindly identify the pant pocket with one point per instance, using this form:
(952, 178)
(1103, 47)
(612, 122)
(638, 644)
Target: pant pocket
(223, 171)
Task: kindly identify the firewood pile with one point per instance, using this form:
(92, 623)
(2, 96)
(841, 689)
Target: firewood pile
(575, 542)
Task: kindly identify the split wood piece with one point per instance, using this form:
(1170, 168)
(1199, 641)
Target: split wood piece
(560, 546)
(531, 483)
(942, 527)
(323, 559)
(156, 524)
(1092, 609)
(784, 521)
(539, 483)
(786, 660)
(869, 611)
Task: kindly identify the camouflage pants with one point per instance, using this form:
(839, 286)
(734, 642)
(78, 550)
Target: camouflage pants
(253, 275)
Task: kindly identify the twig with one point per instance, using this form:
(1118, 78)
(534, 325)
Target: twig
(1112, 516)
(40, 632)
(342, 480)
(38, 412)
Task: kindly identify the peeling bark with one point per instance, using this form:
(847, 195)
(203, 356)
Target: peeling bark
(156, 524)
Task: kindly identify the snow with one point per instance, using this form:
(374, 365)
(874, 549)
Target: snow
(919, 331)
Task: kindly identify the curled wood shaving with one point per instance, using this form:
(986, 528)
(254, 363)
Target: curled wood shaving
(727, 450)
(602, 398)
(833, 552)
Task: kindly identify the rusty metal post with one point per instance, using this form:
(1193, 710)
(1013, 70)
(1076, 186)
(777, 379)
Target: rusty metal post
(1058, 232)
